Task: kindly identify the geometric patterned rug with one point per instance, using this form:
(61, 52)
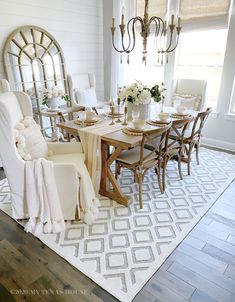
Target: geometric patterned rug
(125, 246)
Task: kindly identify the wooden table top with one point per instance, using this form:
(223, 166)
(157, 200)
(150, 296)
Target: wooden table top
(115, 138)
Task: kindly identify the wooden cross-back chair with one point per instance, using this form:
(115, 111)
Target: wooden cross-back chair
(140, 159)
(193, 140)
(175, 146)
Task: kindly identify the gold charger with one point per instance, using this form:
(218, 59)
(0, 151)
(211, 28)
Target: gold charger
(87, 122)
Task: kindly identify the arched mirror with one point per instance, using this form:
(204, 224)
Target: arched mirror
(33, 61)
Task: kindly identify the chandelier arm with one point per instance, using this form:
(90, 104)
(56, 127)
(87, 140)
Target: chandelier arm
(119, 51)
(158, 25)
(170, 43)
(176, 44)
(134, 20)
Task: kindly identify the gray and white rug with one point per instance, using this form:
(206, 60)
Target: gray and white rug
(125, 246)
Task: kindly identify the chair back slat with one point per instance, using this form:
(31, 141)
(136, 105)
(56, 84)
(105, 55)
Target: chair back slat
(157, 139)
(200, 122)
(178, 129)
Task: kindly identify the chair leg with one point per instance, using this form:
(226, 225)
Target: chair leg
(179, 163)
(164, 175)
(140, 190)
(189, 157)
(158, 171)
(136, 178)
(197, 153)
(117, 170)
(77, 216)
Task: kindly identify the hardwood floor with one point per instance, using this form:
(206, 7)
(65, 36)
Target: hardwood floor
(201, 269)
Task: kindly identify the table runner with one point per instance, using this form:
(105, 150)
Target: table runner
(91, 142)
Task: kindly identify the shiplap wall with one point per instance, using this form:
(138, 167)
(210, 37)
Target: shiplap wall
(76, 24)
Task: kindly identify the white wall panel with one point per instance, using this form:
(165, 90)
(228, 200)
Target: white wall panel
(76, 24)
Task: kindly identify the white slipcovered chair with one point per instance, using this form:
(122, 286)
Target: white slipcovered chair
(190, 92)
(4, 87)
(14, 106)
(82, 91)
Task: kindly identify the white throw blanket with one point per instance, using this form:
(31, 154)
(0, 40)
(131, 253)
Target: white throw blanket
(42, 198)
(91, 142)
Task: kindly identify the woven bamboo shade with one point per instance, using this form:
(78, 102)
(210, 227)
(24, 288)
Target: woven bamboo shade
(203, 9)
(156, 8)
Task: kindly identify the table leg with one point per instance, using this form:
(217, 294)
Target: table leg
(108, 178)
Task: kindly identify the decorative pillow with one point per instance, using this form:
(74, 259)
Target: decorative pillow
(86, 97)
(190, 102)
(30, 142)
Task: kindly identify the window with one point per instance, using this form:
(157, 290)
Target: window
(153, 72)
(150, 74)
(201, 55)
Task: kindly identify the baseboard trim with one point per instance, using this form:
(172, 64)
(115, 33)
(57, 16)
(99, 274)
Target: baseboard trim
(214, 143)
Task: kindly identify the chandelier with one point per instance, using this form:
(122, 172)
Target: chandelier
(164, 42)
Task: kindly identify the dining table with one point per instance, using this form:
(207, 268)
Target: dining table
(113, 141)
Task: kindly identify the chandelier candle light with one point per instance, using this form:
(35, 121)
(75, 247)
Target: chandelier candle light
(161, 29)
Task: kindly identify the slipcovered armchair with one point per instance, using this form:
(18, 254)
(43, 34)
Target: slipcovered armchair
(14, 107)
(82, 91)
(4, 87)
(190, 93)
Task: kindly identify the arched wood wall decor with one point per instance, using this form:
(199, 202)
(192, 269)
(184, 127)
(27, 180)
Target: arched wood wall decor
(33, 60)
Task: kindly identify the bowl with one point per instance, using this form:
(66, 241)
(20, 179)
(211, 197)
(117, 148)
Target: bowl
(163, 116)
(138, 124)
(180, 109)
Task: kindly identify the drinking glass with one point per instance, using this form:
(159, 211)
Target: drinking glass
(82, 117)
(106, 110)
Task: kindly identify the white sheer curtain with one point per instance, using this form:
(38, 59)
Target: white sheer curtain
(119, 74)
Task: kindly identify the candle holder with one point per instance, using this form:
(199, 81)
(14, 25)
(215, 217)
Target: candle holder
(125, 113)
(112, 113)
(118, 102)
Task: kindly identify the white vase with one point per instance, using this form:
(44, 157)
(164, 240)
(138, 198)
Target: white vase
(54, 102)
(144, 110)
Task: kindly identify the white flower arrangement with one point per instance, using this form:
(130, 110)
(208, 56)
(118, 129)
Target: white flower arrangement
(136, 93)
(54, 92)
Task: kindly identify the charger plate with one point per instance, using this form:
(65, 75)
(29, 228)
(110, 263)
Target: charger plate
(129, 132)
(157, 123)
(87, 122)
(179, 115)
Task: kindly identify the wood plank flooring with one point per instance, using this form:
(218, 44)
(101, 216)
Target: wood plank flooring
(201, 269)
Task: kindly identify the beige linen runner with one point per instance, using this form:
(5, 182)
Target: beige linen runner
(91, 142)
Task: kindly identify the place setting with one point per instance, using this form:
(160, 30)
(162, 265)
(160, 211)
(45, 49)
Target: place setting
(138, 126)
(180, 112)
(87, 118)
(162, 119)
